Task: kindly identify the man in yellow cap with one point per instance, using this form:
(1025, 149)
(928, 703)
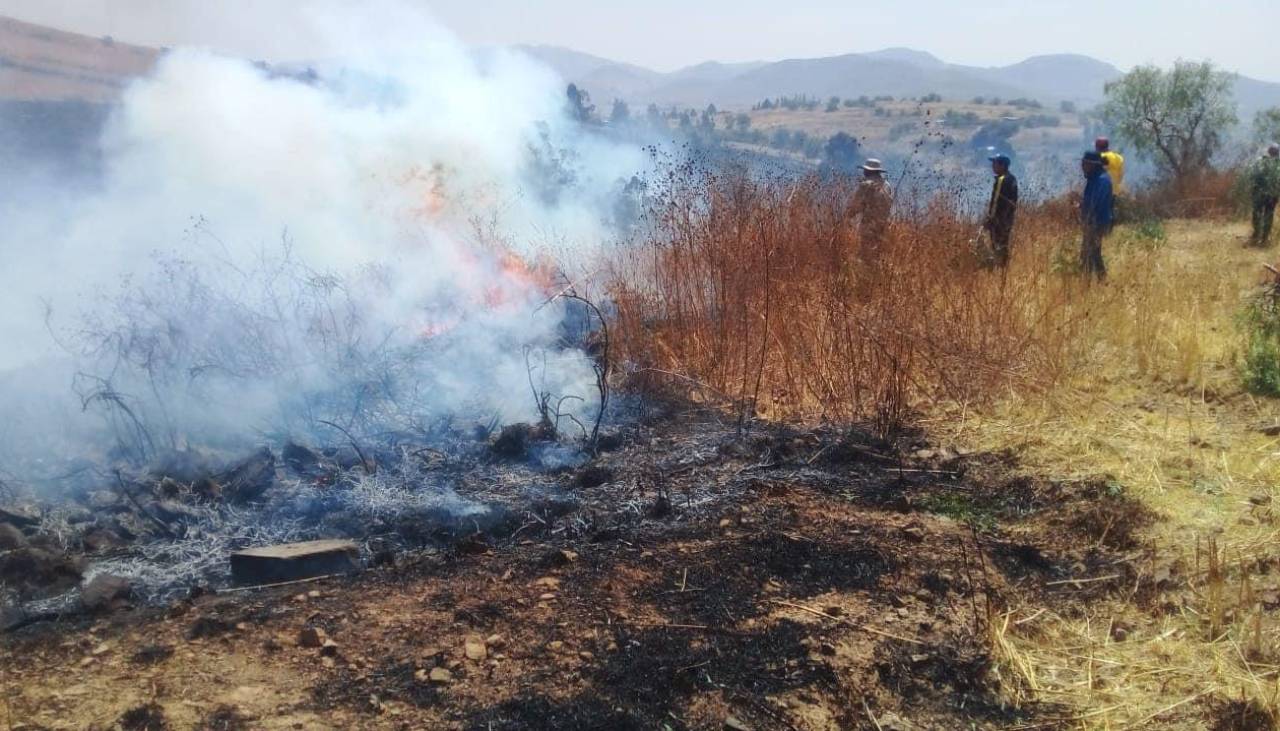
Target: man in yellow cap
(1114, 163)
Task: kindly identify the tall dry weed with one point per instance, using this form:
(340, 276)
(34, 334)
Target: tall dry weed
(759, 292)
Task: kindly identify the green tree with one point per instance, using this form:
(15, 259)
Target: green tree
(833, 104)
(1266, 126)
(743, 121)
(621, 113)
(840, 154)
(1177, 117)
(655, 117)
(579, 104)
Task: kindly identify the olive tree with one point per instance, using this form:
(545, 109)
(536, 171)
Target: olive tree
(1177, 117)
(1266, 126)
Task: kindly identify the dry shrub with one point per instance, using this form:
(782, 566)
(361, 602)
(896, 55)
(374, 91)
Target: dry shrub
(752, 288)
(1209, 194)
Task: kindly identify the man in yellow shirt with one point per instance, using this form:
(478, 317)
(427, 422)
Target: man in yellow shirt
(1113, 161)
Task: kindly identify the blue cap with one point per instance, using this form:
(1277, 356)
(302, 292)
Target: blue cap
(1001, 158)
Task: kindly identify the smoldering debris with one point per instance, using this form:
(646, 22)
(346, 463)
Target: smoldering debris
(170, 526)
(273, 316)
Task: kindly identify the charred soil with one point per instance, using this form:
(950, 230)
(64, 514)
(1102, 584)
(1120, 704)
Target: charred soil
(695, 578)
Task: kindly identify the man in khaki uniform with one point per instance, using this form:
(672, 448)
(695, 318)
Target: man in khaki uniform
(872, 204)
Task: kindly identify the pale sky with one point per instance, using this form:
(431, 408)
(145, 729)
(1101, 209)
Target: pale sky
(1240, 35)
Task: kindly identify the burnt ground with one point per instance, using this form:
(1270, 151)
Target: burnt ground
(691, 579)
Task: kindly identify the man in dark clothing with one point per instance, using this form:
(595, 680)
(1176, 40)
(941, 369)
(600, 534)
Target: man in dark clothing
(1096, 213)
(1002, 209)
(1264, 189)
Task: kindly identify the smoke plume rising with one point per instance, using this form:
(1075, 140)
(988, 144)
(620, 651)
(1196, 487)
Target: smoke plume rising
(269, 250)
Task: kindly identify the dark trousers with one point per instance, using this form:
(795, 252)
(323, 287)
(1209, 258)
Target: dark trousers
(1091, 252)
(1000, 236)
(1264, 213)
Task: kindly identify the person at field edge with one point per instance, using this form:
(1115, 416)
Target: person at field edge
(872, 204)
(1096, 213)
(1002, 208)
(1114, 163)
(1264, 185)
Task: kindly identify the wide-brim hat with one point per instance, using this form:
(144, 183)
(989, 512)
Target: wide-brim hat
(872, 165)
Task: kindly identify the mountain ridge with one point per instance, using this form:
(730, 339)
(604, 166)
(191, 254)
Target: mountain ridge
(46, 64)
(899, 72)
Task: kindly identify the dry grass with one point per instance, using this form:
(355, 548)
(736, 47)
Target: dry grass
(745, 289)
(1155, 403)
(762, 292)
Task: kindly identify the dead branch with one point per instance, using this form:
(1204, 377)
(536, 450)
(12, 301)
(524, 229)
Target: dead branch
(106, 394)
(369, 468)
(163, 526)
(842, 620)
(600, 365)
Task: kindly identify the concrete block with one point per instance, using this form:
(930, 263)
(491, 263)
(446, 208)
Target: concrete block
(293, 561)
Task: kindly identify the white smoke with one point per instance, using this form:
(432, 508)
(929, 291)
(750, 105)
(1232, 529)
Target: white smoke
(265, 250)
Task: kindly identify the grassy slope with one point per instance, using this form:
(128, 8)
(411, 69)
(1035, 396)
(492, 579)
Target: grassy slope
(1155, 402)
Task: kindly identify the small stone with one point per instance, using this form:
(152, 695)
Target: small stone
(731, 723)
(546, 597)
(313, 594)
(21, 516)
(495, 641)
(475, 649)
(585, 655)
(11, 538)
(329, 649)
(312, 637)
(440, 676)
(555, 645)
(547, 582)
(569, 556)
(101, 649)
(105, 591)
(725, 522)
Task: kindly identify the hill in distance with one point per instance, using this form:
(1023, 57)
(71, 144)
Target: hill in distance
(43, 64)
(897, 72)
(39, 64)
